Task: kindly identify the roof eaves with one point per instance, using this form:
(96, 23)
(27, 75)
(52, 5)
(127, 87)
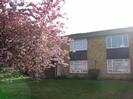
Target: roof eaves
(102, 33)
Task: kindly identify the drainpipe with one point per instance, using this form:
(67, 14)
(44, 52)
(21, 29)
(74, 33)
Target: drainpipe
(95, 63)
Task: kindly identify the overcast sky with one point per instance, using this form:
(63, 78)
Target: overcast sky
(93, 15)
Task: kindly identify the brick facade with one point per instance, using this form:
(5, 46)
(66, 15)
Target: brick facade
(131, 51)
(97, 56)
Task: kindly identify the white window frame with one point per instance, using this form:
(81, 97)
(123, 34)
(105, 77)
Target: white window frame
(112, 41)
(78, 45)
(117, 72)
(72, 68)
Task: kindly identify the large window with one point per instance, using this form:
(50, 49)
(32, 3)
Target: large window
(79, 44)
(78, 66)
(118, 66)
(117, 41)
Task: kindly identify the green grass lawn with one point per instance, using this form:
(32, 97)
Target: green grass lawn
(67, 89)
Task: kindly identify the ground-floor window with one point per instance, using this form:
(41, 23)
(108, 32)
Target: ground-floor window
(78, 66)
(118, 66)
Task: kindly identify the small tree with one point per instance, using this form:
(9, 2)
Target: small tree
(30, 35)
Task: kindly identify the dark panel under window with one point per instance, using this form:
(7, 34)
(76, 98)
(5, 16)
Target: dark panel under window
(78, 55)
(118, 53)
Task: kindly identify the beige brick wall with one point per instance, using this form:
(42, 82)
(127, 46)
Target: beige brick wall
(131, 52)
(97, 51)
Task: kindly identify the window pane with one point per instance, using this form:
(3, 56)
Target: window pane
(108, 42)
(84, 44)
(116, 41)
(77, 45)
(109, 65)
(78, 66)
(118, 66)
(71, 45)
(125, 41)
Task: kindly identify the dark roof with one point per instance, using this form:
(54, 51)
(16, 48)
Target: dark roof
(102, 33)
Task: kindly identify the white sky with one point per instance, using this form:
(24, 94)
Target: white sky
(93, 15)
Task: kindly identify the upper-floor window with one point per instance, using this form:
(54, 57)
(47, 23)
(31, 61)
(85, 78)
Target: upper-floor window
(78, 45)
(117, 41)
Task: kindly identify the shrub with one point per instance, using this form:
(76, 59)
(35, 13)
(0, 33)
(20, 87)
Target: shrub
(62, 77)
(3, 70)
(7, 74)
(15, 74)
(93, 74)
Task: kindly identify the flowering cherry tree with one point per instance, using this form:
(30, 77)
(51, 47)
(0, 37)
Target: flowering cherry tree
(30, 35)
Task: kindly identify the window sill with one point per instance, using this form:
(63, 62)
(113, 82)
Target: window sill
(116, 47)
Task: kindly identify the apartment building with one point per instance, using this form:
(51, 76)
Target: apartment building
(110, 51)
